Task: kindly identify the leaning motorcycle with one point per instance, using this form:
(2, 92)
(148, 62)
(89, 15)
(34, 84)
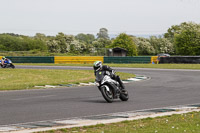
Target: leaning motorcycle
(110, 88)
(7, 64)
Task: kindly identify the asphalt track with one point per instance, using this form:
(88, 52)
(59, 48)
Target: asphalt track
(165, 88)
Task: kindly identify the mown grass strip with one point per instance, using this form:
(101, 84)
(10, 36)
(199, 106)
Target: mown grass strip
(162, 66)
(184, 123)
(17, 79)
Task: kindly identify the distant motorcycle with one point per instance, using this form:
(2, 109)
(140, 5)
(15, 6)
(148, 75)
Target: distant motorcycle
(110, 88)
(7, 64)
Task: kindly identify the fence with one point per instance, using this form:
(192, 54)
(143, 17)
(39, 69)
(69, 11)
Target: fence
(31, 59)
(135, 59)
(181, 59)
(77, 59)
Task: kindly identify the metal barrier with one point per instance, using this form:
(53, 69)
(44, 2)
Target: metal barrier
(81, 59)
(129, 59)
(31, 59)
(180, 59)
(77, 59)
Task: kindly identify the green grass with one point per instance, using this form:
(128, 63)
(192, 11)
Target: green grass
(52, 64)
(17, 79)
(162, 66)
(184, 123)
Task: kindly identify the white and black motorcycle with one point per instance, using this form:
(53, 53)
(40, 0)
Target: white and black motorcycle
(110, 88)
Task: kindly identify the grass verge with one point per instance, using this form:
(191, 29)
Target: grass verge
(17, 79)
(162, 66)
(184, 123)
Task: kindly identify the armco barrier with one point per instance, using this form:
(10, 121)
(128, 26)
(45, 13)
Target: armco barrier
(81, 59)
(180, 59)
(129, 59)
(77, 59)
(31, 59)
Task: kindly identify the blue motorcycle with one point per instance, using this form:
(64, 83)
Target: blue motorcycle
(7, 64)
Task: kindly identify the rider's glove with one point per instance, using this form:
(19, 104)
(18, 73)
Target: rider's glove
(113, 72)
(107, 73)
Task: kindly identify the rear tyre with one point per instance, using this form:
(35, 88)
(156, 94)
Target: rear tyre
(124, 95)
(107, 93)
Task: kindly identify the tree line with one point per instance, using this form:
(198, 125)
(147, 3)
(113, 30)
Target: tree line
(182, 39)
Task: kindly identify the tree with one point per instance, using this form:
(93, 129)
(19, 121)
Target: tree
(177, 29)
(86, 38)
(188, 42)
(100, 46)
(161, 45)
(53, 46)
(103, 33)
(20, 43)
(67, 44)
(144, 47)
(185, 38)
(60, 43)
(64, 42)
(33, 44)
(101, 43)
(126, 42)
(40, 36)
(86, 41)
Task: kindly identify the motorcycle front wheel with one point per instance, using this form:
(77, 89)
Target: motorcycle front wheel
(124, 95)
(107, 93)
(12, 66)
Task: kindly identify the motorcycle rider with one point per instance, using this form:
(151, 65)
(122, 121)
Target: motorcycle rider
(3, 60)
(98, 66)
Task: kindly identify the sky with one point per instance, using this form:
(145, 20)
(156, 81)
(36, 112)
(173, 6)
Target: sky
(134, 17)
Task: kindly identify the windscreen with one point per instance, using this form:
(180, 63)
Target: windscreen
(100, 75)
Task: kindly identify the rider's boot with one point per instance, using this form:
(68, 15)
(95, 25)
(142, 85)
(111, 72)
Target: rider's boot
(121, 84)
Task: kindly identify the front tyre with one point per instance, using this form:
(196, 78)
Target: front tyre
(107, 93)
(124, 95)
(12, 66)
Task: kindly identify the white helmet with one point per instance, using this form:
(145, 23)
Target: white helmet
(97, 65)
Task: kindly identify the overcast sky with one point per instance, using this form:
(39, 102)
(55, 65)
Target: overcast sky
(135, 17)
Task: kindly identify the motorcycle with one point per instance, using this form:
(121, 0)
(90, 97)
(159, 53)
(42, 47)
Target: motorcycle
(110, 88)
(7, 64)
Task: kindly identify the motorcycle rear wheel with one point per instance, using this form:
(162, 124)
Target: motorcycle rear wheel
(124, 95)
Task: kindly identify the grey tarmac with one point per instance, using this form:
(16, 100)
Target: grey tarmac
(166, 87)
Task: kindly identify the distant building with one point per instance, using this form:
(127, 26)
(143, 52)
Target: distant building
(118, 52)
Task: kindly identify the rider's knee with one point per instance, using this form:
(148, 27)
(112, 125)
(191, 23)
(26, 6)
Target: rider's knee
(117, 77)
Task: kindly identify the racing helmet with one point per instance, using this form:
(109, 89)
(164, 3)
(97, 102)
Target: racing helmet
(97, 65)
(3, 58)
